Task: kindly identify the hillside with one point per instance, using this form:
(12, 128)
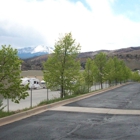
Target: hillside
(130, 55)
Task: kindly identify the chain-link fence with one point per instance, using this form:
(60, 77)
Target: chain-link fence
(38, 95)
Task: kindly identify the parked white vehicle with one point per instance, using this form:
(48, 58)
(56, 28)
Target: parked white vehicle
(34, 83)
(43, 84)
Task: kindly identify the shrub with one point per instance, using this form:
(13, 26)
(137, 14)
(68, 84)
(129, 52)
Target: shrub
(81, 90)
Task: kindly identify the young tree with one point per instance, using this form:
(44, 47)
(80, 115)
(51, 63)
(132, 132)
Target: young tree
(117, 70)
(99, 68)
(109, 71)
(10, 75)
(127, 73)
(62, 68)
(89, 73)
(135, 76)
(124, 72)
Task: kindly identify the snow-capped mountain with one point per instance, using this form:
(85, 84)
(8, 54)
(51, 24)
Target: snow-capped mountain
(29, 52)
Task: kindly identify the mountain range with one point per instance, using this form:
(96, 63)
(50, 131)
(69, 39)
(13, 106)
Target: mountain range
(30, 52)
(130, 55)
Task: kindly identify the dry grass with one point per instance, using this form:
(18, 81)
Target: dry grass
(33, 73)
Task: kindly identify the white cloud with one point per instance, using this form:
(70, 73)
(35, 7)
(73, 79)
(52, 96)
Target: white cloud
(30, 23)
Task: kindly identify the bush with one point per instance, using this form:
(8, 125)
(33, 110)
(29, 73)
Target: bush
(81, 90)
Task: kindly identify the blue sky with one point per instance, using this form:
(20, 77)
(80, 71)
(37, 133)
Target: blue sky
(129, 8)
(95, 24)
(84, 2)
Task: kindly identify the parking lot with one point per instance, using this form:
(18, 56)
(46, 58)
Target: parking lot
(37, 96)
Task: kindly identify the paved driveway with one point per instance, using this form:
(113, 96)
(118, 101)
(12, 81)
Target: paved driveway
(60, 124)
(126, 97)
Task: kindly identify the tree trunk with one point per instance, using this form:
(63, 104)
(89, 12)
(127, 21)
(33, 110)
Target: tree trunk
(109, 83)
(116, 81)
(101, 85)
(62, 92)
(88, 87)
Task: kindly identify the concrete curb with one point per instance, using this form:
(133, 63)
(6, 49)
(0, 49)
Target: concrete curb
(97, 110)
(40, 109)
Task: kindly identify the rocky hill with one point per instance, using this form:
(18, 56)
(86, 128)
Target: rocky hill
(130, 55)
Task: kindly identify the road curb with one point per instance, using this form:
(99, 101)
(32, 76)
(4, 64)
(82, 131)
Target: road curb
(40, 109)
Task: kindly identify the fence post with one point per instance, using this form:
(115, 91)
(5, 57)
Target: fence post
(31, 98)
(47, 94)
(7, 105)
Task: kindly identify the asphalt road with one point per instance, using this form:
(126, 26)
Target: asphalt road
(65, 125)
(126, 97)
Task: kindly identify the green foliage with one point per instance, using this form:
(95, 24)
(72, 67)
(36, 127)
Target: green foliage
(125, 72)
(110, 71)
(121, 71)
(135, 76)
(4, 114)
(106, 69)
(99, 68)
(10, 75)
(116, 70)
(89, 73)
(62, 69)
(81, 90)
